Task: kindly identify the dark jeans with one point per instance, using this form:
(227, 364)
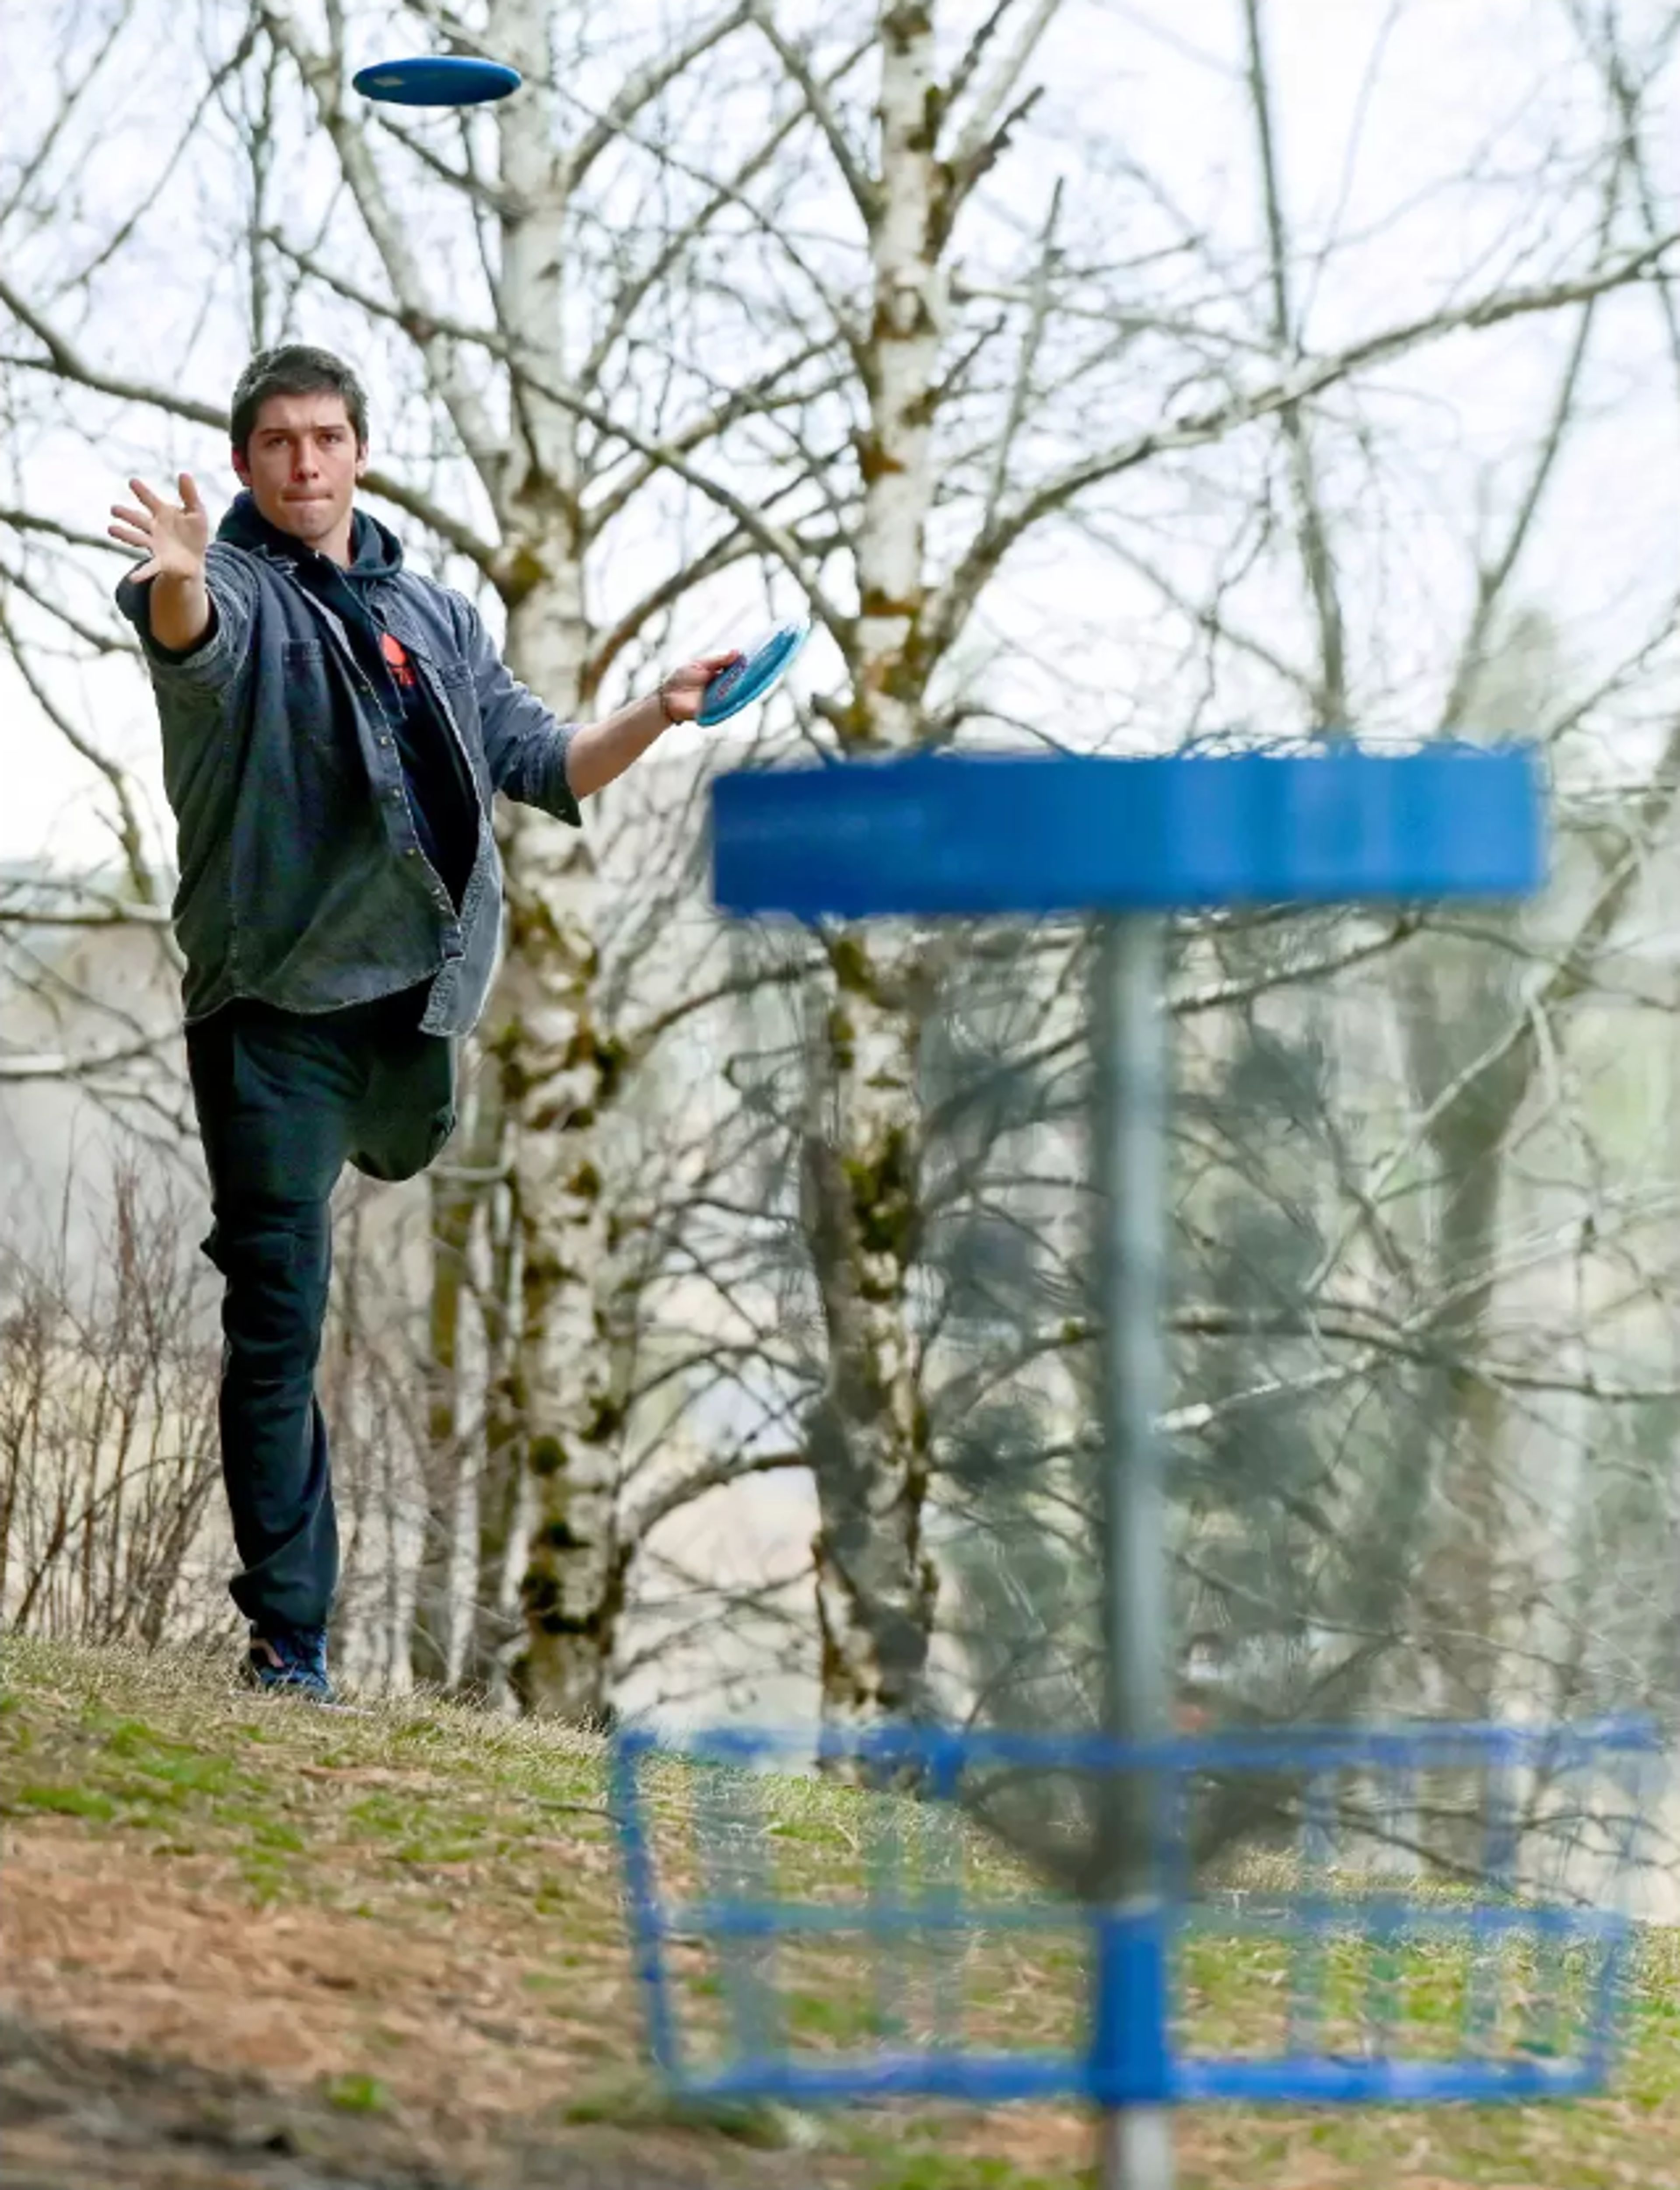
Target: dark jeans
(284, 1102)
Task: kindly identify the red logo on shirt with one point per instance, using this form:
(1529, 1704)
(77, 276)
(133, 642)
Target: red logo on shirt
(396, 657)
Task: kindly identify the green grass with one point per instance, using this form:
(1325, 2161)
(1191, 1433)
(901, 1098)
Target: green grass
(65, 1801)
(357, 2094)
(425, 1822)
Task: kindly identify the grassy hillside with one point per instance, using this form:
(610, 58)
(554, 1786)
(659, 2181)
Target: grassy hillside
(249, 1943)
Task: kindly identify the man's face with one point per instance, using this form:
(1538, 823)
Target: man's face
(302, 464)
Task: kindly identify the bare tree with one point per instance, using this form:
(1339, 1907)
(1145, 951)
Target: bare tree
(107, 1427)
(737, 1210)
(998, 407)
(538, 336)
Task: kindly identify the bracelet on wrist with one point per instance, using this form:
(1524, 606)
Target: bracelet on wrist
(665, 706)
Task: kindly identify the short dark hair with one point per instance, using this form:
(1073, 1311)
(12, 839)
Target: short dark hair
(294, 369)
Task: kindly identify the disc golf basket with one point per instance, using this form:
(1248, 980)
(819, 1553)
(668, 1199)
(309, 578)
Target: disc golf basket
(809, 1944)
(1245, 1916)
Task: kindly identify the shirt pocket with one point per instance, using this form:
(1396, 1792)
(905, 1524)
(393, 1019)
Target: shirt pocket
(323, 704)
(309, 693)
(460, 695)
(456, 680)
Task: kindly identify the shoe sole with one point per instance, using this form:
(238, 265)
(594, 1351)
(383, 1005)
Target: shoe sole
(314, 1703)
(291, 1692)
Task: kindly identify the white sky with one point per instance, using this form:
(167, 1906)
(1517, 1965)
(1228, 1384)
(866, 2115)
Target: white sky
(1486, 80)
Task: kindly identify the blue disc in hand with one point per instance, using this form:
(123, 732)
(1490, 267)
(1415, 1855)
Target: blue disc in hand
(760, 667)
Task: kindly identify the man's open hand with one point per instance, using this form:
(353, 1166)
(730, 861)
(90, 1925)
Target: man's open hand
(175, 536)
(684, 689)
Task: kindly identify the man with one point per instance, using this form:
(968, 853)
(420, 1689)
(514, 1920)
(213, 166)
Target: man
(334, 728)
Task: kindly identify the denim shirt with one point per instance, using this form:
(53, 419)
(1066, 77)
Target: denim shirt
(302, 884)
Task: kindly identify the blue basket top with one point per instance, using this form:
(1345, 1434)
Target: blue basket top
(1034, 833)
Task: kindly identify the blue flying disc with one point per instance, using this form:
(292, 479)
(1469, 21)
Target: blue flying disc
(437, 79)
(748, 679)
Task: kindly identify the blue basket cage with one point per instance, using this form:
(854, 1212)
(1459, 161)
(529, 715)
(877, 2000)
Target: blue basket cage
(888, 1902)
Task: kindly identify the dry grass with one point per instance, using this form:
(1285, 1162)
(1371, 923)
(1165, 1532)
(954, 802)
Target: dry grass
(405, 1926)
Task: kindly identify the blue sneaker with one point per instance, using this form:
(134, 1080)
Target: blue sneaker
(290, 1662)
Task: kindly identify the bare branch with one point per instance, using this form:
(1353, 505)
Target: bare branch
(120, 916)
(1563, 976)
(645, 86)
(99, 642)
(866, 191)
(1021, 393)
(63, 361)
(481, 443)
(1493, 578)
(989, 104)
(956, 599)
(29, 520)
(62, 1064)
(666, 454)
(130, 836)
(641, 1522)
(1331, 695)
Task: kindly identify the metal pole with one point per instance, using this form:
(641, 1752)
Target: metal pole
(1130, 1054)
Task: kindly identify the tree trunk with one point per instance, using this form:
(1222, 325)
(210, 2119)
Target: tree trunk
(875, 1588)
(1469, 1144)
(556, 1071)
(861, 1184)
(457, 1194)
(493, 1625)
(569, 1426)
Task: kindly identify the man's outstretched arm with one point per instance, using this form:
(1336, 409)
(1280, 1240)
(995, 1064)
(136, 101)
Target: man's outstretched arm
(600, 752)
(190, 601)
(550, 764)
(174, 542)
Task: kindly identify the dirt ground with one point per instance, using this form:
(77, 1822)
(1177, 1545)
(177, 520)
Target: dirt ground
(124, 1980)
(249, 1947)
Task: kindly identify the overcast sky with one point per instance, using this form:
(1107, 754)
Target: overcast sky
(1460, 80)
